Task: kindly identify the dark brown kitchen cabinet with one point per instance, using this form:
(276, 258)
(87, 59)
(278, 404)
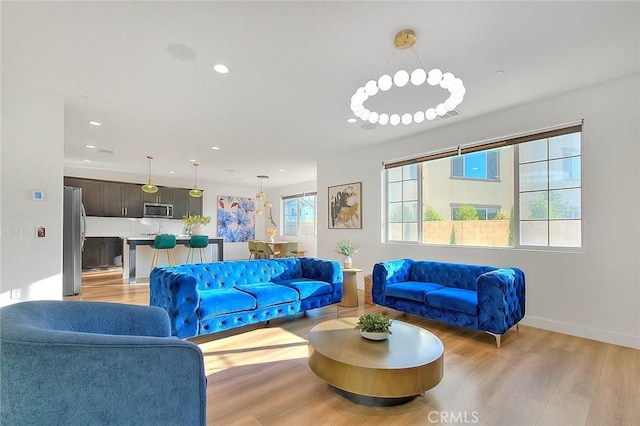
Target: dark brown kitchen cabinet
(132, 199)
(180, 203)
(194, 205)
(163, 196)
(101, 252)
(121, 199)
(92, 194)
(184, 204)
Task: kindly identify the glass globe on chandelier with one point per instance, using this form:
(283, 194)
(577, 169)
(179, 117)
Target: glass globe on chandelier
(403, 40)
(260, 196)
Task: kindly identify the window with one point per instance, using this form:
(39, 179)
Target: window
(299, 214)
(521, 192)
(402, 206)
(479, 165)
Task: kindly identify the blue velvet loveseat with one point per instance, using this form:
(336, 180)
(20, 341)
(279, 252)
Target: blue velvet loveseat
(206, 298)
(473, 296)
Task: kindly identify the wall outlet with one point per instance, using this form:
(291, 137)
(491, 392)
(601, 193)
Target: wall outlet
(16, 293)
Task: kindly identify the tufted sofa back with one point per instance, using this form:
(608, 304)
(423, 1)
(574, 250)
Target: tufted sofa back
(228, 274)
(448, 274)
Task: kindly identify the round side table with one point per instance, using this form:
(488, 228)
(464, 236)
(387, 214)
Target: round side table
(350, 286)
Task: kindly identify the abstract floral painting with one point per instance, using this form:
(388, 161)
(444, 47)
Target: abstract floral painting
(236, 218)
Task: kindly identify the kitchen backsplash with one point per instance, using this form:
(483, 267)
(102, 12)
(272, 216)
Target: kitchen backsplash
(120, 227)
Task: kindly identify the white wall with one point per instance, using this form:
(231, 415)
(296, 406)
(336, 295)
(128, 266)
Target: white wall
(594, 293)
(32, 153)
(308, 244)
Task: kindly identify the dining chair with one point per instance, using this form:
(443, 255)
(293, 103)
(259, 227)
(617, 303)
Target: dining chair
(265, 251)
(166, 242)
(199, 242)
(290, 249)
(253, 249)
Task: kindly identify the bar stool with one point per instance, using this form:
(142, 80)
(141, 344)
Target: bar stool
(163, 242)
(197, 242)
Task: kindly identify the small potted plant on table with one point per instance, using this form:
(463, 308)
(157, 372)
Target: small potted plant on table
(347, 248)
(375, 326)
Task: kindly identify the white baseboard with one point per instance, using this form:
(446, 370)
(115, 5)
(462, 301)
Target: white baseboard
(586, 332)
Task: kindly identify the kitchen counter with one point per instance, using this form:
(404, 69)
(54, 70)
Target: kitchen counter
(147, 240)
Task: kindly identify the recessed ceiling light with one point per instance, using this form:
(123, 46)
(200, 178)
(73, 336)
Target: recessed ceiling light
(282, 170)
(171, 172)
(220, 68)
(90, 146)
(498, 73)
(87, 161)
(351, 120)
(192, 160)
(95, 123)
(215, 148)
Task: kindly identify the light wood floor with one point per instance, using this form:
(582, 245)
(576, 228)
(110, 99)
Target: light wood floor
(260, 376)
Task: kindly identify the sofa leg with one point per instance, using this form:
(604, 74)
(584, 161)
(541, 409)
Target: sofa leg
(498, 338)
(518, 327)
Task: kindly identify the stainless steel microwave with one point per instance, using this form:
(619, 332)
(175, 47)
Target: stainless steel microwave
(158, 210)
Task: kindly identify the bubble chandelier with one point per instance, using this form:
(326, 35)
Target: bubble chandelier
(403, 40)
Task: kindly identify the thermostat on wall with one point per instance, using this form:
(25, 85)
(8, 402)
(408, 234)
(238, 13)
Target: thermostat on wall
(37, 195)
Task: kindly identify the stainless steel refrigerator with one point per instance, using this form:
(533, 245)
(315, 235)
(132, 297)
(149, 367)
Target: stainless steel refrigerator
(73, 234)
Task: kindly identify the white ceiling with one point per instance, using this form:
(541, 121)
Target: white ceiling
(144, 70)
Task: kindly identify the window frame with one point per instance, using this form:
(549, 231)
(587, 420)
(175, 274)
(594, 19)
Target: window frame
(514, 142)
(298, 198)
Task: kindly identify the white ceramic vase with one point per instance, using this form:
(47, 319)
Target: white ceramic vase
(197, 230)
(373, 335)
(347, 262)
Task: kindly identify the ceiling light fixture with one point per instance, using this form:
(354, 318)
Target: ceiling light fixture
(149, 188)
(95, 123)
(220, 68)
(195, 192)
(260, 195)
(403, 40)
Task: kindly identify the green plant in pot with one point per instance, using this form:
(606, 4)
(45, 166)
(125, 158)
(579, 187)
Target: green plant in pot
(194, 224)
(347, 248)
(374, 326)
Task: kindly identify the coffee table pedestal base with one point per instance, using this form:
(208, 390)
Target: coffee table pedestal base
(373, 401)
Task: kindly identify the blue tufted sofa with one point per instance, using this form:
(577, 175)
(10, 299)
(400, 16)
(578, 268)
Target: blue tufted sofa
(95, 363)
(478, 297)
(206, 298)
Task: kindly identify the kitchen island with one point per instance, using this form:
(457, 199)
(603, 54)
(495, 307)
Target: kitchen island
(146, 240)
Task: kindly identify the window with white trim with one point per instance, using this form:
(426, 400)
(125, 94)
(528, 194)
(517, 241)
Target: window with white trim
(299, 214)
(519, 192)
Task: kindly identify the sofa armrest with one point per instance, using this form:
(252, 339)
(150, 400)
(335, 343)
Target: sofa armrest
(177, 293)
(501, 299)
(389, 272)
(321, 269)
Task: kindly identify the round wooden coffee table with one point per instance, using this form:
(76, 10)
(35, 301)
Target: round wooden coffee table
(380, 373)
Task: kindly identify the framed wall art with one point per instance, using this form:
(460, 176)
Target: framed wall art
(236, 218)
(345, 206)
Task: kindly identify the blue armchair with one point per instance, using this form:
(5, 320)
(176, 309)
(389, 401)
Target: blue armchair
(81, 363)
